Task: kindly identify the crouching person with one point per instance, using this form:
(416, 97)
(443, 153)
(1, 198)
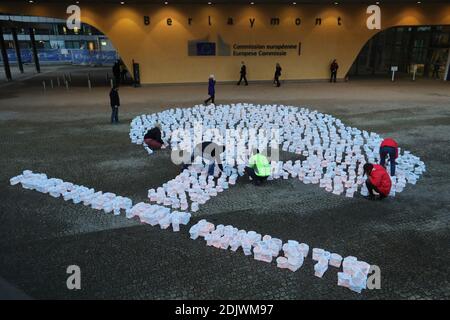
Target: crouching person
(258, 168)
(378, 180)
(153, 138)
(210, 153)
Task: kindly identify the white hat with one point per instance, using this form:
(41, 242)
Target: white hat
(211, 76)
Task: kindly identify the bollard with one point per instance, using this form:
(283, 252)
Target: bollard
(414, 72)
(394, 69)
(51, 83)
(70, 77)
(89, 80)
(67, 84)
(112, 83)
(43, 84)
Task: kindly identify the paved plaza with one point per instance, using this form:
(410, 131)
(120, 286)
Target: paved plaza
(67, 134)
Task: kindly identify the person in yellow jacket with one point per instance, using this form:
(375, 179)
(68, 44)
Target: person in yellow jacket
(258, 168)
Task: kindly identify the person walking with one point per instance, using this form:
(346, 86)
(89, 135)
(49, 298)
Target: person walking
(389, 147)
(258, 168)
(334, 69)
(123, 72)
(276, 79)
(115, 104)
(378, 180)
(243, 74)
(211, 89)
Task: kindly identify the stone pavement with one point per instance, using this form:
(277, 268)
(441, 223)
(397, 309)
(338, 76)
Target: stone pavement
(67, 135)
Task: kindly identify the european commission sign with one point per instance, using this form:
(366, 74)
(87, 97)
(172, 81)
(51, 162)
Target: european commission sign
(203, 48)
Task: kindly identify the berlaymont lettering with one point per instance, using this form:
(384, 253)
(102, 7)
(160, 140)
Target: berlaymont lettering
(273, 21)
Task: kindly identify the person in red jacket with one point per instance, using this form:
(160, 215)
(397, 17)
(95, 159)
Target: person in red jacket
(378, 180)
(389, 147)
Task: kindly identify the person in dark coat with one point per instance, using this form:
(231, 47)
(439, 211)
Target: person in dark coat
(153, 138)
(276, 79)
(436, 68)
(123, 72)
(243, 74)
(115, 104)
(210, 152)
(334, 69)
(116, 72)
(211, 89)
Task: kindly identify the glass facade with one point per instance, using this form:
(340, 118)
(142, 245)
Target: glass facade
(426, 47)
(51, 33)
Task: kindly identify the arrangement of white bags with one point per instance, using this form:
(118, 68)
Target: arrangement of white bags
(192, 188)
(354, 275)
(108, 202)
(334, 153)
(266, 248)
(155, 214)
(333, 157)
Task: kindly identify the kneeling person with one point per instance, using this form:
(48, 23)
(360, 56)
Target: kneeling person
(258, 168)
(153, 138)
(378, 180)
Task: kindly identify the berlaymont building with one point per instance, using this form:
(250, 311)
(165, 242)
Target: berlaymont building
(180, 41)
(230, 156)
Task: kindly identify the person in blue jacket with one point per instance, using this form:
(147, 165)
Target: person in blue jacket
(211, 89)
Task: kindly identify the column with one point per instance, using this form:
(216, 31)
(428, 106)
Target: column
(35, 53)
(447, 68)
(17, 47)
(5, 56)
